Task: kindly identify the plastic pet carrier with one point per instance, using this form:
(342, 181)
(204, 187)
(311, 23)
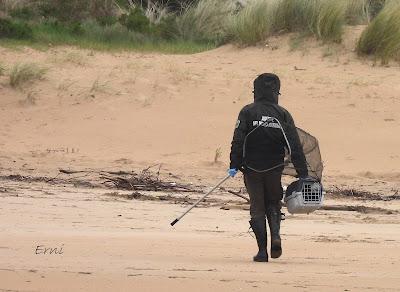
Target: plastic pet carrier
(304, 196)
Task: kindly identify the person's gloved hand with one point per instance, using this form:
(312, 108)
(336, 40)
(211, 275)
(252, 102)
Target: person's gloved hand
(232, 172)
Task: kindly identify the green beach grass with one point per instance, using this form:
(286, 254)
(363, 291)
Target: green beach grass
(107, 38)
(382, 36)
(202, 25)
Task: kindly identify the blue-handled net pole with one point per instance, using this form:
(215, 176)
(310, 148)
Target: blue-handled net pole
(199, 200)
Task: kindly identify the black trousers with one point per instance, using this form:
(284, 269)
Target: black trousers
(265, 191)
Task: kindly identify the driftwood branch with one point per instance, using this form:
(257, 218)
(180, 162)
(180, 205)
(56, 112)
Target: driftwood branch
(238, 194)
(136, 181)
(70, 171)
(363, 195)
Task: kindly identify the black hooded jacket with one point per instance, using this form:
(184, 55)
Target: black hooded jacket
(265, 146)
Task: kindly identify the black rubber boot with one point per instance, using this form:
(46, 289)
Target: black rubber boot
(274, 222)
(260, 230)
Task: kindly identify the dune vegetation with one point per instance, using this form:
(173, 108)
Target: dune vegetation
(262, 18)
(24, 73)
(382, 36)
(189, 26)
(2, 69)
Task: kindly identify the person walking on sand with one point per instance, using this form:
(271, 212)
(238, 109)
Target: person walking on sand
(264, 130)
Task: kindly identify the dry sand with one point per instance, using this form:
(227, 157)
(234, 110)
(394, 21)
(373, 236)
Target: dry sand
(127, 111)
(131, 110)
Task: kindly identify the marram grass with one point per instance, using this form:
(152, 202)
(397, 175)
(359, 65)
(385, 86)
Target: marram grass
(324, 19)
(251, 25)
(382, 36)
(24, 73)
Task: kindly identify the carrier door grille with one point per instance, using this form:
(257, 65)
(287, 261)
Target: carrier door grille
(312, 193)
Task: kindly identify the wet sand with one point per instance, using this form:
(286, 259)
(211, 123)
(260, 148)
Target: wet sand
(113, 244)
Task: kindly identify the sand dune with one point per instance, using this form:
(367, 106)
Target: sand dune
(99, 109)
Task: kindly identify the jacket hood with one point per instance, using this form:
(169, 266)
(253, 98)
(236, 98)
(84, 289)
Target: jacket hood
(266, 88)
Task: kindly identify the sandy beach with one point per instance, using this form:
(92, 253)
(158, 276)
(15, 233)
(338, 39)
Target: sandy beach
(101, 111)
(117, 245)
